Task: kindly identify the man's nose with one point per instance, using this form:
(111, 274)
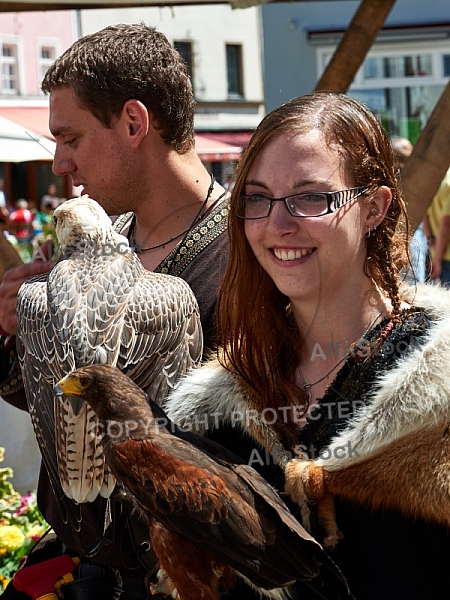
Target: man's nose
(62, 165)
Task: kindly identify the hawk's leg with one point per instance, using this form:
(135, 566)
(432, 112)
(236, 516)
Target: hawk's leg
(191, 573)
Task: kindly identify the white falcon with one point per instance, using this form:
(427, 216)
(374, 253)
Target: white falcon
(97, 305)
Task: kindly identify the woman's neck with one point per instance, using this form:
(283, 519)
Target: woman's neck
(330, 327)
(328, 336)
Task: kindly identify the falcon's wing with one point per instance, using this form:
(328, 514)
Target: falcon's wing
(42, 360)
(162, 337)
(99, 310)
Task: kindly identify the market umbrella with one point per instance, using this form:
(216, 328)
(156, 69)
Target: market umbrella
(18, 144)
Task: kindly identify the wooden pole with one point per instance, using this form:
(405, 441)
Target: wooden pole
(425, 168)
(427, 165)
(357, 40)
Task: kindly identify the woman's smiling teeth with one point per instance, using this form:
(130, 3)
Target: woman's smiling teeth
(291, 254)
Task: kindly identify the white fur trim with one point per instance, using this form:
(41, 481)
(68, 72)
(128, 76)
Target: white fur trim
(415, 394)
(205, 398)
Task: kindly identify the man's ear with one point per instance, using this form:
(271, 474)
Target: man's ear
(137, 121)
(380, 203)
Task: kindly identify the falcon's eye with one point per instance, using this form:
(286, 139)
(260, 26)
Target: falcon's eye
(84, 381)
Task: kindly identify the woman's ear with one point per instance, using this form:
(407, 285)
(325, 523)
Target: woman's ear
(380, 203)
(137, 121)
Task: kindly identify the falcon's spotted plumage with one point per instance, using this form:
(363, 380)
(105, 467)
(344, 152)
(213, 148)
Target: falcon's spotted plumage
(97, 305)
(210, 516)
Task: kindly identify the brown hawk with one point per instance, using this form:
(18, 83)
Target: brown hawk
(211, 517)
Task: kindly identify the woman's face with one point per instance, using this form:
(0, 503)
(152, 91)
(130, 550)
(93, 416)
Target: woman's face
(312, 256)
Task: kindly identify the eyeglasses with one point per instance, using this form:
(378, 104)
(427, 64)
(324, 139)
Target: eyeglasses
(305, 204)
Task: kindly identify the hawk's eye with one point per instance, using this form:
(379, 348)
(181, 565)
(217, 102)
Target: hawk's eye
(84, 381)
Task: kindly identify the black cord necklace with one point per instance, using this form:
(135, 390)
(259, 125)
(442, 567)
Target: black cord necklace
(137, 248)
(307, 385)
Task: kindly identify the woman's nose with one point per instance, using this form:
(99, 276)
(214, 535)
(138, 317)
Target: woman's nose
(281, 219)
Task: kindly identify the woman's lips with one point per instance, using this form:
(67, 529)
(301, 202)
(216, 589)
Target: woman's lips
(291, 254)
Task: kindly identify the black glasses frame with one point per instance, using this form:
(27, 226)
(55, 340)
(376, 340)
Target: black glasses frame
(335, 200)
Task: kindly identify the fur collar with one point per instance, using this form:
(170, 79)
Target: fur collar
(412, 395)
(402, 434)
(211, 396)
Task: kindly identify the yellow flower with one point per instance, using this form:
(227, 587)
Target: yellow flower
(11, 538)
(4, 581)
(36, 532)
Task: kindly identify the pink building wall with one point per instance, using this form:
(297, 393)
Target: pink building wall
(30, 30)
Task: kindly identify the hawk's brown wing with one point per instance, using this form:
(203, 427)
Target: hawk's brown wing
(205, 493)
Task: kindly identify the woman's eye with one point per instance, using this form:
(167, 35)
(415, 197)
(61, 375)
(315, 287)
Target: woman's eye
(256, 198)
(314, 197)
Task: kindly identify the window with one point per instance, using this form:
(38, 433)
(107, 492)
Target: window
(400, 84)
(185, 49)
(390, 67)
(46, 57)
(9, 80)
(446, 65)
(234, 71)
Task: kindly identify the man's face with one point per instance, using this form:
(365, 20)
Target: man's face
(92, 154)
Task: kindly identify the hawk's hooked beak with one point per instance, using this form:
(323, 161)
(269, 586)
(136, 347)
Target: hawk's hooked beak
(68, 386)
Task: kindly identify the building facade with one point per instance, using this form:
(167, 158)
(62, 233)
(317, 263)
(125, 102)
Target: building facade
(402, 76)
(222, 48)
(29, 43)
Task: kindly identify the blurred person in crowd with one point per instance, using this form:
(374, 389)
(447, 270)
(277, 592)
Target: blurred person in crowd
(20, 222)
(419, 245)
(437, 228)
(51, 197)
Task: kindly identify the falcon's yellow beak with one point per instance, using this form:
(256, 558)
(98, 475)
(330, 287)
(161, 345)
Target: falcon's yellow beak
(70, 385)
